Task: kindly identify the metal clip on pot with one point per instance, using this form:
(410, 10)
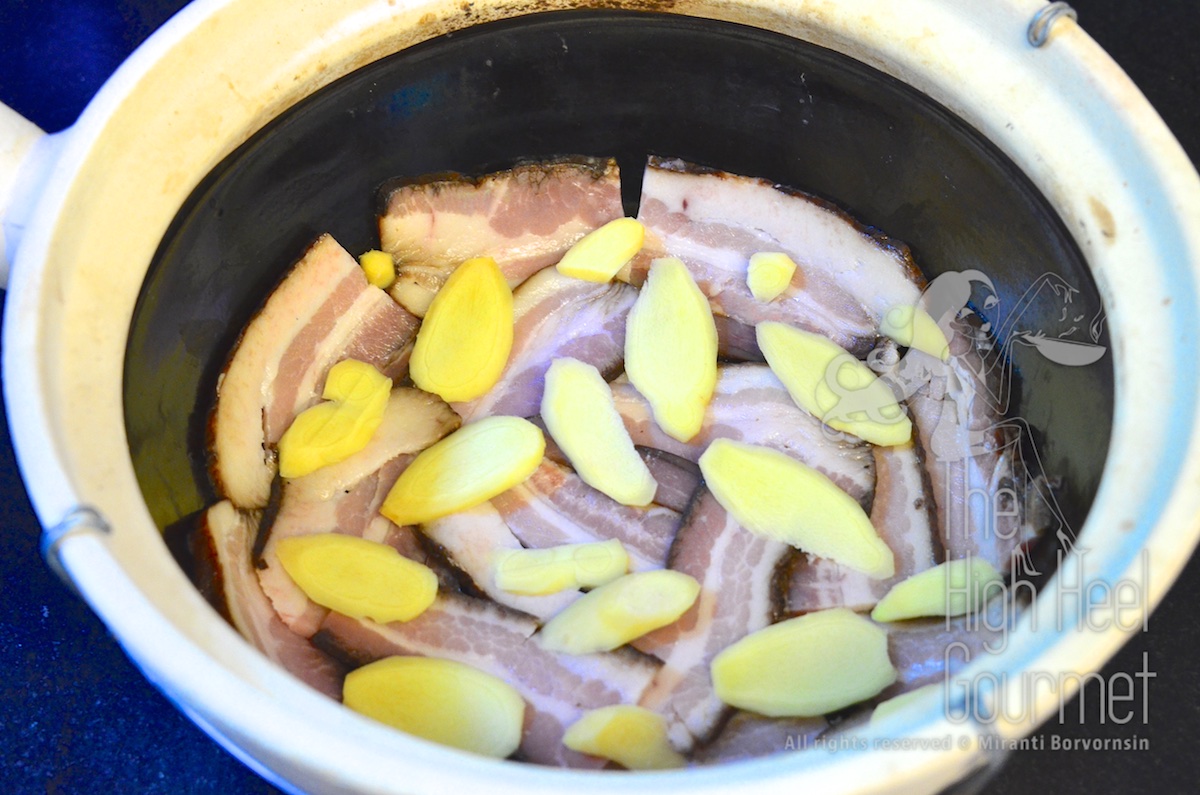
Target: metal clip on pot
(1043, 21)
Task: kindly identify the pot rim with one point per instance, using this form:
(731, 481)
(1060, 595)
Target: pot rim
(1123, 188)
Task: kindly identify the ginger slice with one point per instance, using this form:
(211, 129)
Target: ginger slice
(444, 701)
(378, 267)
(906, 701)
(577, 407)
(602, 252)
(829, 383)
(772, 494)
(633, 737)
(913, 327)
(620, 611)
(769, 274)
(464, 341)
(671, 348)
(952, 588)
(806, 666)
(537, 572)
(358, 578)
(356, 396)
(471, 465)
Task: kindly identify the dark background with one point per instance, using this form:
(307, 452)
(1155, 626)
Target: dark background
(76, 716)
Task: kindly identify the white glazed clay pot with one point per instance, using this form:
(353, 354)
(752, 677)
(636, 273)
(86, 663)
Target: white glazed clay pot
(107, 190)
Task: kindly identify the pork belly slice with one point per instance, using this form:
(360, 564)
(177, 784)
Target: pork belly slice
(554, 506)
(972, 453)
(555, 316)
(231, 534)
(927, 650)
(903, 516)
(553, 451)
(934, 651)
(525, 218)
(322, 312)
(847, 277)
(471, 538)
(349, 513)
(737, 571)
(977, 495)
(750, 405)
(747, 735)
(557, 688)
(677, 478)
(412, 420)
(412, 544)
(345, 497)
(737, 341)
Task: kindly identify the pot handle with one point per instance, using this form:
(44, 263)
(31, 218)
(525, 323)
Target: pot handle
(26, 155)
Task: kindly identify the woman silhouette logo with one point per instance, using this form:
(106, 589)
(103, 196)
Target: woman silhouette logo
(970, 389)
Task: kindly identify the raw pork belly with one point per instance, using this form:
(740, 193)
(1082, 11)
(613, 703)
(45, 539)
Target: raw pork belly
(751, 405)
(345, 497)
(902, 514)
(558, 688)
(737, 572)
(847, 277)
(323, 311)
(231, 534)
(923, 497)
(555, 316)
(554, 506)
(524, 218)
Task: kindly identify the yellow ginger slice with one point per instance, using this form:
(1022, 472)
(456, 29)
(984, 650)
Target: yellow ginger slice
(769, 274)
(829, 383)
(772, 494)
(952, 588)
(567, 567)
(620, 611)
(671, 348)
(907, 701)
(602, 252)
(356, 396)
(578, 409)
(378, 267)
(806, 666)
(633, 737)
(444, 701)
(412, 421)
(467, 334)
(471, 465)
(358, 578)
(913, 327)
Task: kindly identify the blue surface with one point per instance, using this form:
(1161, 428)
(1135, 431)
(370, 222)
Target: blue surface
(77, 717)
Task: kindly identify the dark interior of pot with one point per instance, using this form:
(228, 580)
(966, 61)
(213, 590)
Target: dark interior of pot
(623, 84)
